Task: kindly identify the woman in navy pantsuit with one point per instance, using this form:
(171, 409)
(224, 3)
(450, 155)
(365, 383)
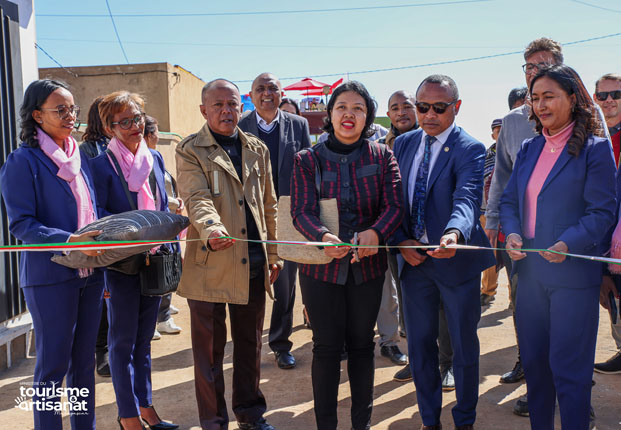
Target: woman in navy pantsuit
(48, 195)
(131, 316)
(561, 197)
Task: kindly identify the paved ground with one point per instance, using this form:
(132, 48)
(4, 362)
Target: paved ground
(289, 394)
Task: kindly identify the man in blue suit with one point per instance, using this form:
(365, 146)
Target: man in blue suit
(442, 169)
(284, 134)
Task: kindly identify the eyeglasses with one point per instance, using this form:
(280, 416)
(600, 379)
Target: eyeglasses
(530, 68)
(65, 112)
(603, 95)
(439, 107)
(127, 123)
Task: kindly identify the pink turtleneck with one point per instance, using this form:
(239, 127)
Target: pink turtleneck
(549, 154)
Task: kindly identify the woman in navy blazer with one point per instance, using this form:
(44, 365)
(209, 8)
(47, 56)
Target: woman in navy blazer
(131, 316)
(561, 197)
(64, 303)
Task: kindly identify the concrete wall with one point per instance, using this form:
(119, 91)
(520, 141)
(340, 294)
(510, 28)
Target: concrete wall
(88, 83)
(172, 95)
(184, 102)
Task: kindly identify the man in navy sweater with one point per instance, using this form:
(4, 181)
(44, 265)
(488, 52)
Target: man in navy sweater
(284, 134)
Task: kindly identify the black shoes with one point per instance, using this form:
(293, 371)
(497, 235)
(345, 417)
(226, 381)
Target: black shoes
(486, 299)
(394, 354)
(516, 375)
(448, 380)
(101, 364)
(284, 360)
(521, 407)
(118, 419)
(466, 427)
(436, 427)
(611, 366)
(403, 375)
(259, 425)
(162, 425)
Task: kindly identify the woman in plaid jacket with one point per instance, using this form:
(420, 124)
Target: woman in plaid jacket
(343, 297)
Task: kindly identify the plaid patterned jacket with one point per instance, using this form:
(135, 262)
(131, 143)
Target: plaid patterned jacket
(367, 186)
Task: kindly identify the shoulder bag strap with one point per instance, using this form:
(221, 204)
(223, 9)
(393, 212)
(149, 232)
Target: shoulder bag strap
(122, 178)
(317, 171)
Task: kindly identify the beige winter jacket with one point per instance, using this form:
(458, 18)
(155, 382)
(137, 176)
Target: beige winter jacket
(215, 199)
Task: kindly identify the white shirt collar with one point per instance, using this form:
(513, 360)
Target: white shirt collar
(442, 137)
(264, 125)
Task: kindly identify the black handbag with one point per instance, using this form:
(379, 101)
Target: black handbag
(160, 273)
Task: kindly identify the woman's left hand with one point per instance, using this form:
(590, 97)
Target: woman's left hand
(369, 238)
(552, 257)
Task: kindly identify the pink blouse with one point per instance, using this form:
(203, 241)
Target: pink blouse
(549, 154)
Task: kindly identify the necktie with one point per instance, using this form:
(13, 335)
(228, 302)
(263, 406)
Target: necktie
(420, 191)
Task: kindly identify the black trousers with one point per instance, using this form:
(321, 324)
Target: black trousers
(342, 315)
(208, 329)
(281, 324)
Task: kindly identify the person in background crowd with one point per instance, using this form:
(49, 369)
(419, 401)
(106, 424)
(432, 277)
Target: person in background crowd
(608, 97)
(390, 316)
(517, 97)
(165, 322)
(443, 170)
(402, 114)
(516, 127)
(284, 134)
(489, 280)
(132, 316)
(47, 190)
(94, 142)
(289, 105)
(343, 297)
(560, 197)
(225, 178)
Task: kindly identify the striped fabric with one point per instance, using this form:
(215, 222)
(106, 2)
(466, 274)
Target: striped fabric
(370, 196)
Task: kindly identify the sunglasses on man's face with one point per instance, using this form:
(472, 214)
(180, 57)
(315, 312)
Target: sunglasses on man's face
(603, 95)
(439, 107)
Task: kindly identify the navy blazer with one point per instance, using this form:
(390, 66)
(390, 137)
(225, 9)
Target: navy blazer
(454, 194)
(41, 209)
(110, 193)
(576, 205)
(294, 136)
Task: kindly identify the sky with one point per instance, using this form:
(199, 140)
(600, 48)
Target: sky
(328, 40)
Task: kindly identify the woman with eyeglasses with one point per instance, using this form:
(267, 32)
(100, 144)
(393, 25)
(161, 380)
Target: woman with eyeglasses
(48, 193)
(560, 198)
(343, 297)
(131, 316)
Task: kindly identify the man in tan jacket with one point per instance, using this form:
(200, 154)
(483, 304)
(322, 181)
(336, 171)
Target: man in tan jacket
(225, 178)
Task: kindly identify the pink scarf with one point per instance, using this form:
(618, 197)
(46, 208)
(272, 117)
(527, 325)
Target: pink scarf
(68, 162)
(136, 170)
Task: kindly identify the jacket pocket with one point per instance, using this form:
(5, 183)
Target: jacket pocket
(201, 255)
(370, 170)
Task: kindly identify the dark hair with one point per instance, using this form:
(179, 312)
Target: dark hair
(359, 89)
(583, 113)
(608, 77)
(94, 128)
(441, 79)
(545, 44)
(517, 94)
(150, 125)
(288, 101)
(36, 94)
